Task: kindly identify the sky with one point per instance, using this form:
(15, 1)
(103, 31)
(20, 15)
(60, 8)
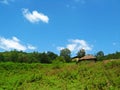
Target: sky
(52, 25)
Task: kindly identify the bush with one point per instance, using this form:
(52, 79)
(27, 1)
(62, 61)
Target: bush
(58, 62)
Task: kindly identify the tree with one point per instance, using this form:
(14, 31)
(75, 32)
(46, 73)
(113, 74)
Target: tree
(81, 53)
(100, 55)
(66, 54)
(23, 58)
(44, 58)
(33, 57)
(14, 55)
(52, 55)
(1, 57)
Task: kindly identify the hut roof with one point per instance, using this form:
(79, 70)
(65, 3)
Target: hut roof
(75, 57)
(88, 57)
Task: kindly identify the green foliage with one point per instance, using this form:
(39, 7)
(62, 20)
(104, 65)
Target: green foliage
(52, 55)
(44, 58)
(48, 57)
(59, 59)
(1, 57)
(112, 56)
(100, 55)
(68, 76)
(58, 62)
(23, 57)
(66, 53)
(81, 53)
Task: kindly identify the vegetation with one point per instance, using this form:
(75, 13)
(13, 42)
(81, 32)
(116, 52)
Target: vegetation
(81, 53)
(66, 54)
(48, 71)
(100, 56)
(49, 57)
(23, 57)
(103, 75)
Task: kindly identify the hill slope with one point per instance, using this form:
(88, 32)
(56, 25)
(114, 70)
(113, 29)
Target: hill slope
(60, 76)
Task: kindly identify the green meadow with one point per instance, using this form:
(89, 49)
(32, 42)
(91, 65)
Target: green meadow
(102, 75)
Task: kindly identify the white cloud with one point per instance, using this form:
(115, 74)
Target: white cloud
(31, 47)
(76, 44)
(60, 48)
(16, 39)
(35, 16)
(6, 1)
(14, 43)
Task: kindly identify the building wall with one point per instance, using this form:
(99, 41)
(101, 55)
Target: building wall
(75, 59)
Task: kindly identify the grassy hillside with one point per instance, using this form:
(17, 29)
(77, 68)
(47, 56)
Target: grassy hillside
(60, 76)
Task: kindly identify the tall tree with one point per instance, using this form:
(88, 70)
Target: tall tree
(100, 55)
(81, 53)
(52, 55)
(66, 54)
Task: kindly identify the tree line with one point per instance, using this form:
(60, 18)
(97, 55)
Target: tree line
(34, 57)
(100, 56)
(20, 56)
(50, 57)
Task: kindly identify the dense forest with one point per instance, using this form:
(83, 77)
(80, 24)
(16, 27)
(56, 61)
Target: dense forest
(49, 57)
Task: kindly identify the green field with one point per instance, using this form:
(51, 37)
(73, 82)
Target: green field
(60, 76)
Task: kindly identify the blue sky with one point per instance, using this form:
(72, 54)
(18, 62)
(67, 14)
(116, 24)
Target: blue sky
(51, 25)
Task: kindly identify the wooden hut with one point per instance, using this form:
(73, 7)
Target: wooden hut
(85, 58)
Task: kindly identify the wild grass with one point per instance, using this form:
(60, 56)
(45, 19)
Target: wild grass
(60, 76)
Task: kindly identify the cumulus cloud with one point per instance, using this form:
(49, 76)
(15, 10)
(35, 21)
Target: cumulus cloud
(76, 44)
(35, 16)
(14, 43)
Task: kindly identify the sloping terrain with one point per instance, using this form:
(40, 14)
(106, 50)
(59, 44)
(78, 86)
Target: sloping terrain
(60, 76)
